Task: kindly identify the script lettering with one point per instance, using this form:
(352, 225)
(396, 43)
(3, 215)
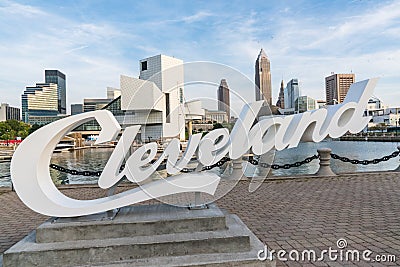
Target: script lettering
(30, 163)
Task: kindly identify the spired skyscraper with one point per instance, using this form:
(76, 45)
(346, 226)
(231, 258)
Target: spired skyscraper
(57, 77)
(281, 99)
(263, 78)
(223, 98)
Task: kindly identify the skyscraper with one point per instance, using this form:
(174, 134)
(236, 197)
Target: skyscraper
(292, 92)
(223, 98)
(39, 100)
(337, 86)
(281, 99)
(263, 78)
(57, 77)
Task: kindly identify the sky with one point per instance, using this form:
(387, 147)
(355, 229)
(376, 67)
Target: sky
(94, 42)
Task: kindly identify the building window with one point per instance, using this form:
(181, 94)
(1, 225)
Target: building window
(167, 108)
(181, 95)
(144, 65)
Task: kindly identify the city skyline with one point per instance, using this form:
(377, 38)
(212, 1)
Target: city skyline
(95, 44)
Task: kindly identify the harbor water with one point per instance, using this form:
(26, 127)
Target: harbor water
(96, 159)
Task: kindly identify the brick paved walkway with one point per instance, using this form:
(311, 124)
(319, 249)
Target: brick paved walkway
(288, 214)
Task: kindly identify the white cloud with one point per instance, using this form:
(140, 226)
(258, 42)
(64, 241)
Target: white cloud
(375, 20)
(196, 17)
(85, 52)
(94, 52)
(12, 8)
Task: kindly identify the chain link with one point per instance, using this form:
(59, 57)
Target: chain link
(366, 162)
(251, 161)
(218, 164)
(285, 166)
(205, 168)
(98, 173)
(75, 172)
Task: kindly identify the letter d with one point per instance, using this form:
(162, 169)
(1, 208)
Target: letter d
(263, 254)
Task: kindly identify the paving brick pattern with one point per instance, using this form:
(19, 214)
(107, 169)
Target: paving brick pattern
(299, 214)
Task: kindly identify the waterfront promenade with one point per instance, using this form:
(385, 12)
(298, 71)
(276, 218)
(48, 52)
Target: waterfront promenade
(286, 213)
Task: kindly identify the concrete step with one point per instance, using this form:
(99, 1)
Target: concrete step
(101, 251)
(146, 220)
(236, 259)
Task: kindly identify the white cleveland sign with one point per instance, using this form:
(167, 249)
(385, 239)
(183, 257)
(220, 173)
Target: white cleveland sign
(33, 184)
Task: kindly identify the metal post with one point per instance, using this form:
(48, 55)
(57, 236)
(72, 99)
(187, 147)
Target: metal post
(325, 162)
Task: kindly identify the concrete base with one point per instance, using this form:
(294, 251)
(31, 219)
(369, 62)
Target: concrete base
(155, 235)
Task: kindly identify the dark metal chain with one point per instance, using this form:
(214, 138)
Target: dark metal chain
(251, 161)
(75, 172)
(218, 164)
(207, 168)
(98, 173)
(366, 162)
(285, 166)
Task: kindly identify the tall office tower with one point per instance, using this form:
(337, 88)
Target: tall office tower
(156, 98)
(263, 78)
(281, 99)
(223, 98)
(40, 100)
(57, 77)
(337, 86)
(292, 92)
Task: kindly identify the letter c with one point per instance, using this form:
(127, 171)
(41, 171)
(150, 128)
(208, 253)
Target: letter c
(32, 182)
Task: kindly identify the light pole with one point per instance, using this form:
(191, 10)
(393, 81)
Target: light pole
(8, 137)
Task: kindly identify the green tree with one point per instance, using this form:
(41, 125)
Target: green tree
(9, 130)
(217, 126)
(34, 128)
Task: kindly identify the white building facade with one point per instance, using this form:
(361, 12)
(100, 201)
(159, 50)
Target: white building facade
(155, 100)
(382, 115)
(9, 113)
